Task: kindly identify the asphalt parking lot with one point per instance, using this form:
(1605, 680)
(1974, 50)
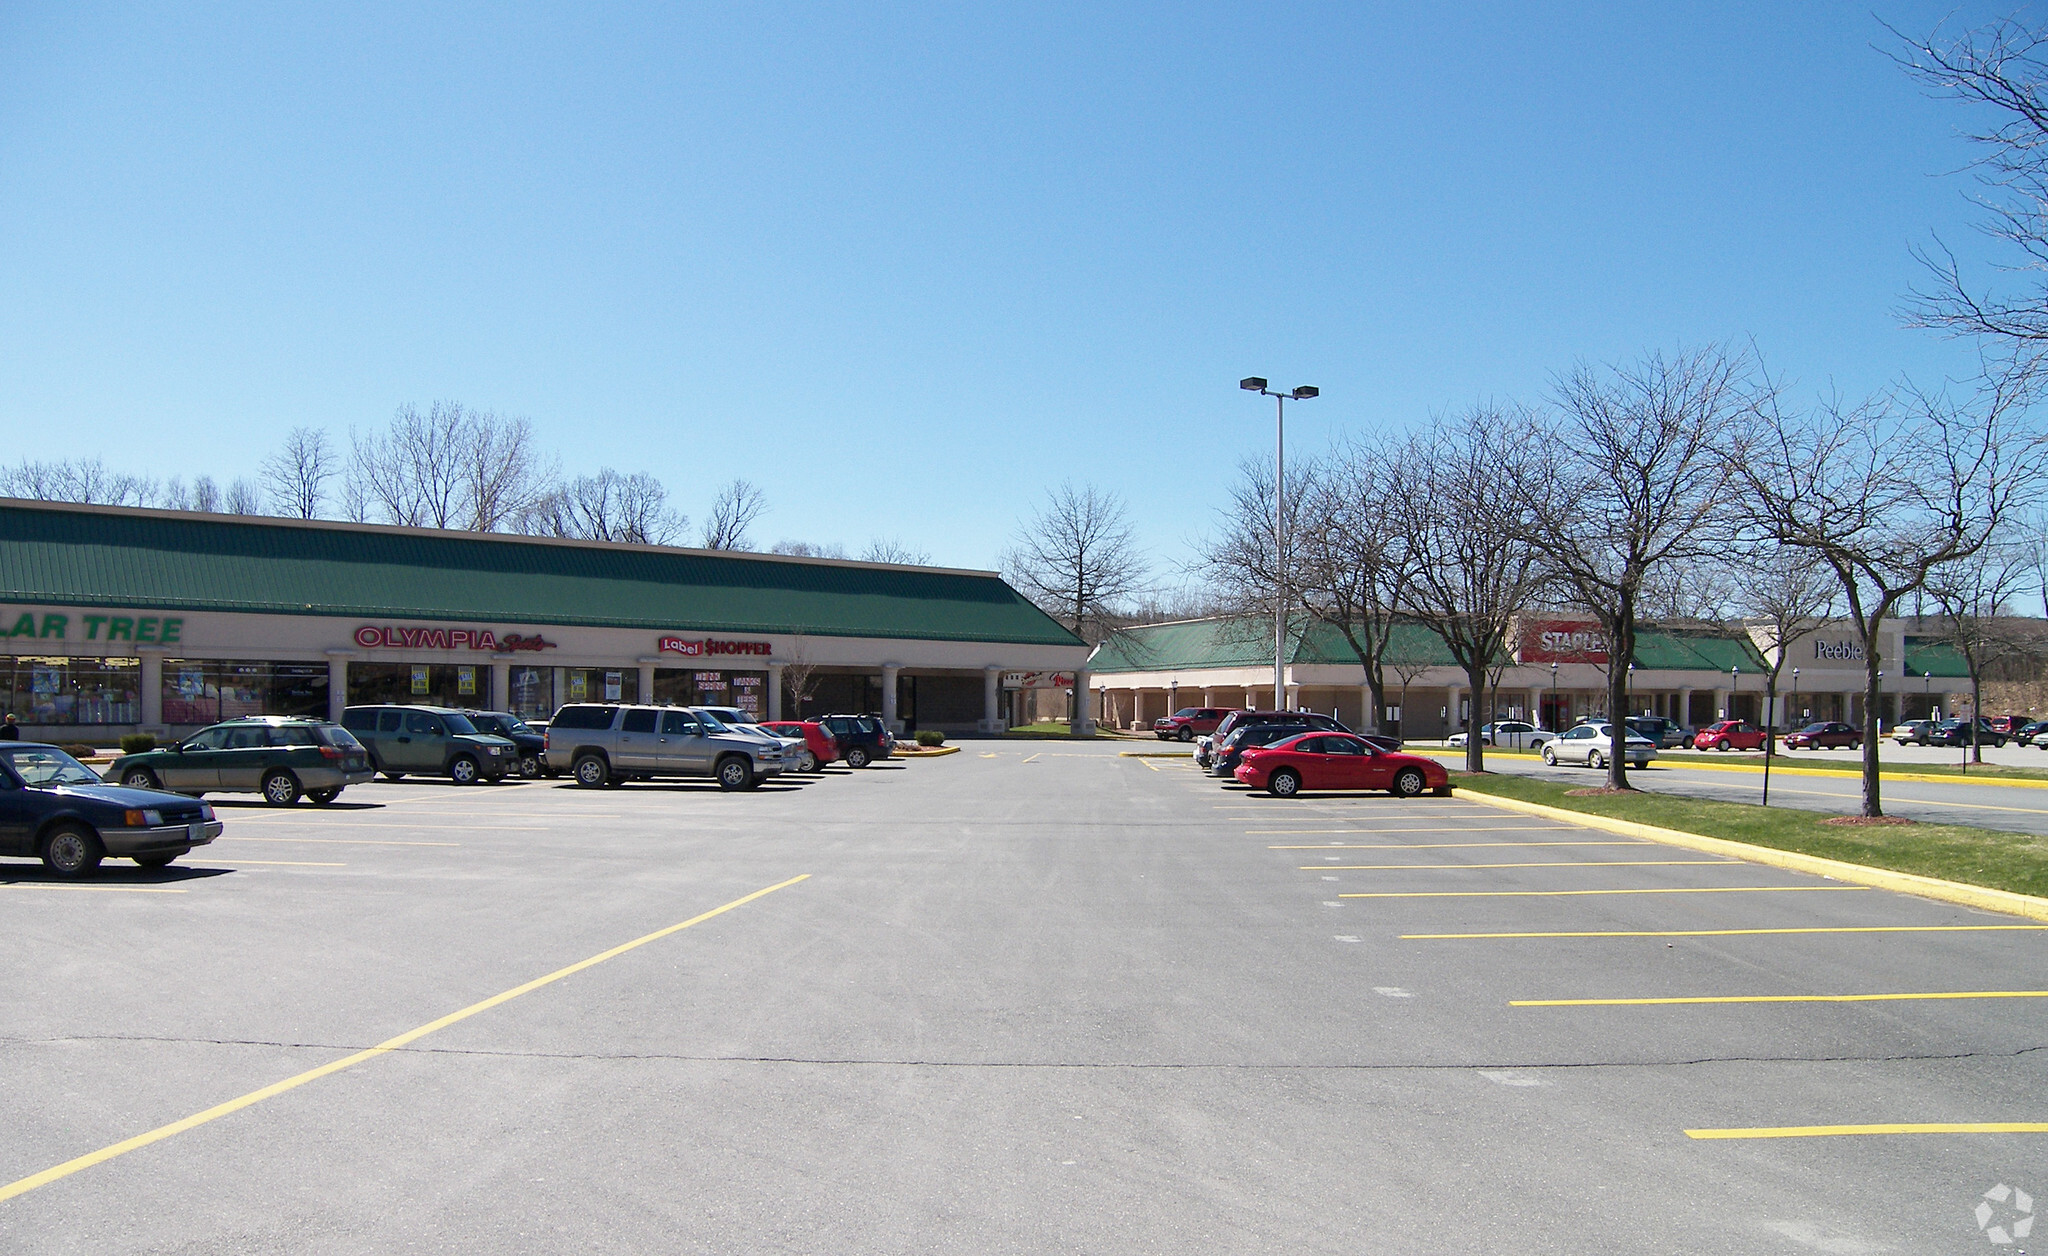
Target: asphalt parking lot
(1029, 998)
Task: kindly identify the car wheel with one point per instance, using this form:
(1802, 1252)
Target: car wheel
(1550, 756)
(1187, 734)
(1721, 744)
(72, 850)
(394, 776)
(806, 762)
(324, 796)
(1285, 783)
(591, 771)
(1408, 783)
(1595, 760)
(280, 789)
(735, 772)
(857, 757)
(140, 778)
(529, 766)
(154, 861)
(463, 771)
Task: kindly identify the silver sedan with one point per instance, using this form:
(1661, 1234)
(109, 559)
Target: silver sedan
(1593, 746)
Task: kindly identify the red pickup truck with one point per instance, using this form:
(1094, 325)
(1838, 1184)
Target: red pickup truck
(1189, 723)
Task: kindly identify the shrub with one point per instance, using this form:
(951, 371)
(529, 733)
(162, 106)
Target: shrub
(930, 737)
(78, 749)
(136, 743)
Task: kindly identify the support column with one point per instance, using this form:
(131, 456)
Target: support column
(647, 681)
(337, 683)
(501, 685)
(1685, 707)
(1209, 698)
(889, 671)
(152, 689)
(561, 689)
(1172, 696)
(991, 699)
(1291, 699)
(1083, 723)
(1721, 705)
(775, 691)
(1451, 693)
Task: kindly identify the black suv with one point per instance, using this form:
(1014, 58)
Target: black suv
(861, 738)
(532, 743)
(1263, 729)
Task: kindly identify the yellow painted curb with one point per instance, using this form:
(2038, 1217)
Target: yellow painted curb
(2026, 905)
(922, 753)
(1780, 768)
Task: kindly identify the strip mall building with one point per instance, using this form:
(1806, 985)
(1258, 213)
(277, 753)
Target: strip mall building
(118, 620)
(1556, 676)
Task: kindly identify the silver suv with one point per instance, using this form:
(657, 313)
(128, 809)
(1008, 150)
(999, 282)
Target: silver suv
(610, 745)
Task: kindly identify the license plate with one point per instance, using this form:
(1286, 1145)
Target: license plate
(195, 831)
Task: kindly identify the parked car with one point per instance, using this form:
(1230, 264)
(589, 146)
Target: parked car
(862, 738)
(2007, 724)
(1338, 761)
(610, 744)
(532, 742)
(1385, 741)
(281, 757)
(1914, 733)
(796, 754)
(2026, 733)
(430, 741)
(1957, 732)
(1729, 735)
(817, 742)
(1205, 750)
(1667, 733)
(1828, 735)
(1230, 751)
(1593, 745)
(1510, 734)
(53, 808)
(1189, 723)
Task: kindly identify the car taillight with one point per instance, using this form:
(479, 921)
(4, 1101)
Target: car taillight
(330, 752)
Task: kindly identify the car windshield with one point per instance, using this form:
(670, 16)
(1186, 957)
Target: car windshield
(717, 725)
(1186, 713)
(47, 765)
(1814, 728)
(459, 723)
(336, 735)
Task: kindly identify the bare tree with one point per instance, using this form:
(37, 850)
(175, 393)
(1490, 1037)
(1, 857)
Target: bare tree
(1240, 562)
(296, 476)
(799, 677)
(1975, 598)
(1627, 477)
(205, 495)
(86, 480)
(892, 550)
(413, 473)
(502, 475)
(806, 549)
(735, 508)
(1077, 559)
(606, 507)
(2001, 67)
(241, 498)
(1788, 592)
(1349, 570)
(1475, 570)
(1885, 493)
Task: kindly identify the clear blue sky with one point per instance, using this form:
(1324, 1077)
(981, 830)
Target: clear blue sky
(906, 266)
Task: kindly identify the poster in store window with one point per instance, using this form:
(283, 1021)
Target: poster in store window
(579, 686)
(613, 686)
(465, 679)
(419, 678)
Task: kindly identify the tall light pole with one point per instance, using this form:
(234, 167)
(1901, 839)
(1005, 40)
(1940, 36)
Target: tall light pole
(1557, 720)
(1280, 400)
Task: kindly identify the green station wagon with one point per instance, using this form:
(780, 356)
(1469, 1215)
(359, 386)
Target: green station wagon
(278, 756)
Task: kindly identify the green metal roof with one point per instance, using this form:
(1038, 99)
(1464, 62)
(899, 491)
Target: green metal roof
(1931, 656)
(97, 556)
(1695, 652)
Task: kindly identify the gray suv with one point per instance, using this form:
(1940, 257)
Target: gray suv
(609, 745)
(431, 741)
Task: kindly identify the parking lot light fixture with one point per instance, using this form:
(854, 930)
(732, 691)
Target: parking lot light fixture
(1253, 383)
(1556, 719)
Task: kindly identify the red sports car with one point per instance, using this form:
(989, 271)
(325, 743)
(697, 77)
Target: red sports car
(1831, 735)
(1319, 760)
(1729, 735)
(816, 740)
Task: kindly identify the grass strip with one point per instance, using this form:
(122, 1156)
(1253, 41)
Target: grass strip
(2017, 862)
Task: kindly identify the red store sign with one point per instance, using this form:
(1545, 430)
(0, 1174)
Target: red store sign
(696, 649)
(374, 637)
(1561, 641)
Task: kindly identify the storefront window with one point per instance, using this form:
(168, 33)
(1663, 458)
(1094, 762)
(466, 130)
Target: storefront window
(73, 691)
(206, 691)
(533, 692)
(602, 684)
(677, 686)
(420, 684)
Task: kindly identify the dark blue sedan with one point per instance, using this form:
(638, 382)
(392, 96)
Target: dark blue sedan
(54, 808)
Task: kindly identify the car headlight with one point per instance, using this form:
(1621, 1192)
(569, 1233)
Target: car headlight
(142, 819)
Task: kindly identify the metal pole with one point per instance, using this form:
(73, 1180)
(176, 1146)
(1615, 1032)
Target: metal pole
(1280, 553)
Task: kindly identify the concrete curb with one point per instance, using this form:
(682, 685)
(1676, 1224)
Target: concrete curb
(2005, 901)
(922, 753)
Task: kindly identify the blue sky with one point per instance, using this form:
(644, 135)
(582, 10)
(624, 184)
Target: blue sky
(904, 267)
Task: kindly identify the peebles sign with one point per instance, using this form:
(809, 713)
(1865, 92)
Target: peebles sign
(373, 637)
(705, 648)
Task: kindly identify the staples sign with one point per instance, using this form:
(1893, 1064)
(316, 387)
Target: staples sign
(1562, 641)
(707, 647)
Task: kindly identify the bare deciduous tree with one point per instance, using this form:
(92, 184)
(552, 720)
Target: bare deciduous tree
(296, 476)
(799, 677)
(1629, 475)
(1887, 492)
(451, 467)
(1788, 593)
(807, 549)
(84, 480)
(892, 550)
(607, 507)
(733, 511)
(1348, 569)
(502, 476)
(241, 498)
(1975, 599)
(1076, 558)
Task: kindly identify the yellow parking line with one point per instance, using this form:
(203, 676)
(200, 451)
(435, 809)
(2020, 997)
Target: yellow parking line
(1436, 828)
(336, 841)
(1730, 933)
(1838, 1131)
(1788, 998)
(1722, 889)
(104, 889)
(161, 1132)
(1439, 845)
(1028, 758)
(1569, 863)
